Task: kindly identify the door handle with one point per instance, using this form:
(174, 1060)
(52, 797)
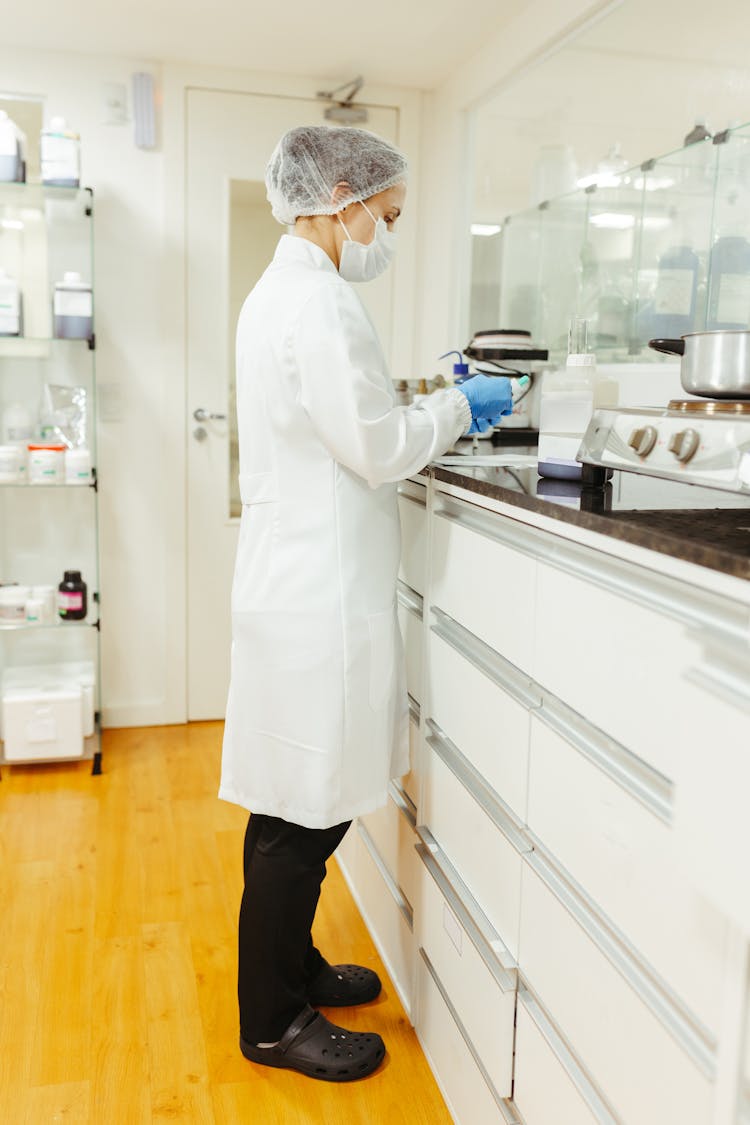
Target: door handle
(202, 415)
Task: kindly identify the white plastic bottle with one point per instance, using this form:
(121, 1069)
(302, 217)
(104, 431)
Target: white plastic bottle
(12, 151)
(569, 397)
(11, 317)
(60, 153)
(73, 308)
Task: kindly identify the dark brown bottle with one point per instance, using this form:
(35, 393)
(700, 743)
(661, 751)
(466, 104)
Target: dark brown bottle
(72, 597)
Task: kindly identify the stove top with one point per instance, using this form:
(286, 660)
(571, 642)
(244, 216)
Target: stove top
(701, 442)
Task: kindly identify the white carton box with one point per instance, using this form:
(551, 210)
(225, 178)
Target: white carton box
(50, 676)
(42, 724)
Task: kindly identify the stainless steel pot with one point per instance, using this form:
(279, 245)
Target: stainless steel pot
(714, 364)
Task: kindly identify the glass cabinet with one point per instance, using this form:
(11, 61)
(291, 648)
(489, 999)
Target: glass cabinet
(49, 642)
(655, 251)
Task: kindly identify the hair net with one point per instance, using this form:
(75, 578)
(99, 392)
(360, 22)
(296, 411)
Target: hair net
(310, 161)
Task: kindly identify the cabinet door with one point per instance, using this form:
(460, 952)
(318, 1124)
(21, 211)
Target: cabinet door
(475, 843)
(623, 856)
(410, 622)
(645, 1074)
(391, 829)
(547, 1080)
(459, 1076)
(413, 512)
(477, 713)
(480, 989)
(482, 582)
(386, 913)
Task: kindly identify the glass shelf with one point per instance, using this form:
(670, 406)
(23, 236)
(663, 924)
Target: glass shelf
(59, 487)
(35, 196)
(37, 626)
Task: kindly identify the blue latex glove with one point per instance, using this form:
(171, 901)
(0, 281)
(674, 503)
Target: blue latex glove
(490, 397)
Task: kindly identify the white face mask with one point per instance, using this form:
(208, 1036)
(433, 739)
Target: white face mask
(363, 263)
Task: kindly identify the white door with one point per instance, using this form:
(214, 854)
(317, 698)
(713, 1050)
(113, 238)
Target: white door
(231, 237)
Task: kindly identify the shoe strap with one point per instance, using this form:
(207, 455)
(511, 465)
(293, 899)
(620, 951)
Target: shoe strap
(306, 1016)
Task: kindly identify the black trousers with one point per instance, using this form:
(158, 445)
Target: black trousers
(285, 865)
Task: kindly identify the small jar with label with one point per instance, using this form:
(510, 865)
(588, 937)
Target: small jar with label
(78, 466)
(46, 464)
(13, 604)
(47, 596)
(10, 464)
(72, 597)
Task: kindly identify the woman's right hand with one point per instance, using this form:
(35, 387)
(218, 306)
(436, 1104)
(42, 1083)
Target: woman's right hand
(490, 397)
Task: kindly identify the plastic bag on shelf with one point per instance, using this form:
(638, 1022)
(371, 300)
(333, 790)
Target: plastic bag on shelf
(63, 415)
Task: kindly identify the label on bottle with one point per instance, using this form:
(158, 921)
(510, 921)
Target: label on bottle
(566, 412)
(69, 600)
(73, 302)
(733, 302)
(674, 292)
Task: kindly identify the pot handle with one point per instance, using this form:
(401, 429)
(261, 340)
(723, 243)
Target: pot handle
(669, 347)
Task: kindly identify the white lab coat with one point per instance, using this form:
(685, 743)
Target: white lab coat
(317, 717)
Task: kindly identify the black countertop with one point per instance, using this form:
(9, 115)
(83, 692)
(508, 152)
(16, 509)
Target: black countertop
(699, 525)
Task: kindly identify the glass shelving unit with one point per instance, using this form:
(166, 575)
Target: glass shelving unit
(46, 529)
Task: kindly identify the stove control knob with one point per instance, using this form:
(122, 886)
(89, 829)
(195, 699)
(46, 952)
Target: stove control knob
(684, 444)
(643, 440)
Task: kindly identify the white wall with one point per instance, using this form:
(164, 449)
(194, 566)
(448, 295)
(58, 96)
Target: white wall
(139, 282)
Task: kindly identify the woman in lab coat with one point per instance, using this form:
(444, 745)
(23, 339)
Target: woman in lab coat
(317, 719)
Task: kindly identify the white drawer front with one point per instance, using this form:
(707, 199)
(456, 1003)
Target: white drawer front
(712, 825)
(543, 1089)
(410, 781)
(411, 632)
(395, 839)
(468, 1096)
(413, 538)
(484, 858)
(484, 585)
(485, 1010)
(386, 919)
(622, 855)
(616, 662)
(642, 1071)
(490, 727)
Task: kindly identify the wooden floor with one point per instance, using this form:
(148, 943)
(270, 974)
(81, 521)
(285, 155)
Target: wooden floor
(118, 904)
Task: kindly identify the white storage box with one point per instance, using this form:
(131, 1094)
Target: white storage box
(42, 724)
(45, 677)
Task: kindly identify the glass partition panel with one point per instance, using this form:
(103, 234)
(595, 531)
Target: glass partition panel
(519, 278)
(728, 297)
(610, 251)
(678, 192)
(564, 269)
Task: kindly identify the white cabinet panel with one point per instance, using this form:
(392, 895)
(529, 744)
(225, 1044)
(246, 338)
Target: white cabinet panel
(410, 781)
(543, 1089)
(469, 1098)
(487, 862)
(411, 632)
(483, 584)
(618, 663)
(485, 1009)
(489, 726)
(386, 917)
(395, 840)
(623, 857)
(411, 507)
(642, 1071)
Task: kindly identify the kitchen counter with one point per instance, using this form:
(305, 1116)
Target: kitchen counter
(698, 525)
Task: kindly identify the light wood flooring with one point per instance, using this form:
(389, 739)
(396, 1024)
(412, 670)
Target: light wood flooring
(118, 904)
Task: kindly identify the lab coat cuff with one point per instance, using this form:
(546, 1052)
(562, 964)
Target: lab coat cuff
(463, 410)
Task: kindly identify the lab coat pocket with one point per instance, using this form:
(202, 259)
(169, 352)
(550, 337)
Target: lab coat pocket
(382, 628)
